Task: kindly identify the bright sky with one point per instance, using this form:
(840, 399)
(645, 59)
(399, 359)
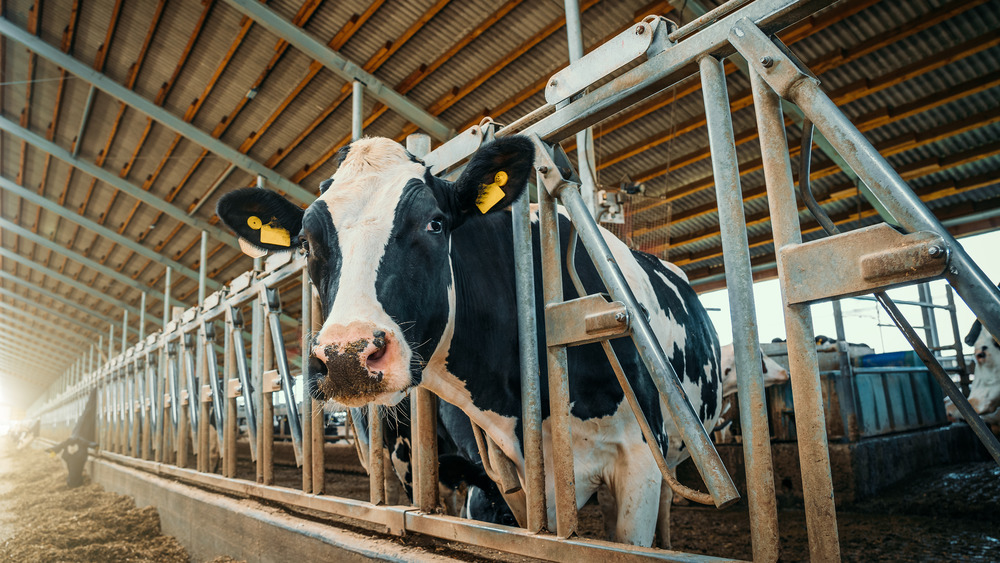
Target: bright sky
(861, 318)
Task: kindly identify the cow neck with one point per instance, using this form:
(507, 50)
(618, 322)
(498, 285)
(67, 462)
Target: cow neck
(476, 365)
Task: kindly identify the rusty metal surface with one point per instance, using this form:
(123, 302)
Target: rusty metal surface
(558, 376)
(814, 454)
(750, 379)
(859, 262)
(601, 320)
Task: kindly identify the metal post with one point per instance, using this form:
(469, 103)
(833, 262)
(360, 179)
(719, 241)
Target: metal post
(202, 268)
(739, 284)
(166, 298)
(142, 316)
(959, 351)
(376, 467)
(124, 330)
(531, 401)
(585, 138)
(229, 423)
(256, 345)
(927, 315)
(357, 111)
(425, 452)
(111, 342)
(558, 376)
(266, 433)
(849, 410)
(306, 410)
(810, 423)
(318, 422)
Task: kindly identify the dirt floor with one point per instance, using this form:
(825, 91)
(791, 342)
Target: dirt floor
(41, 520)
(949, 513)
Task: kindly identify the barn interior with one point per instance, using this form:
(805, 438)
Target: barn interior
(123, 123)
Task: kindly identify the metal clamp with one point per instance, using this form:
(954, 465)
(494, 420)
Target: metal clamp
(553, 166)
(601, 320)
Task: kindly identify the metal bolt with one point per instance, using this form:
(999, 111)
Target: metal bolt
(934, 250)
(766, 62)
(543, 170)
(639, 30)
(620, 317)
(953, 271)
(553, 82)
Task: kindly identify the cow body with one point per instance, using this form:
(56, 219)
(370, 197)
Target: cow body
(984, 392)
(417, 287)
(75, 449)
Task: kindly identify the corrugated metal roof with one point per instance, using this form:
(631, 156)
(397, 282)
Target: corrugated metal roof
(304, 127)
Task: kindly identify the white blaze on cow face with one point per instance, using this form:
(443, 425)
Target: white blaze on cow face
(773, 372)
(362, 201)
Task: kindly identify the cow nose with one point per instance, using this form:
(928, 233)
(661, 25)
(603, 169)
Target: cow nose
(317, 372)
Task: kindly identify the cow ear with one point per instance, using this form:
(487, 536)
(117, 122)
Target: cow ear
(262, 219)
(977, 327)
(495, 176)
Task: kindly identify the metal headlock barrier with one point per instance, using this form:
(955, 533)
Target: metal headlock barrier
(166, 393)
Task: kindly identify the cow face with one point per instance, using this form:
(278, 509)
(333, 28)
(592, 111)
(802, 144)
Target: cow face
(773, 372)
(378, 240)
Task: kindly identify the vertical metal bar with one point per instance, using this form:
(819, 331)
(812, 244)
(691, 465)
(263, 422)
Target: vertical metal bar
(256, 356)
(810, 422)
(111, 342)
(145, 409)
(142, 316)
(272, 299)
(585, 138)
(849, 411)
(166, 298)
(202, 268)
(558, 377)
(266, 475)
(531, 401)
(234, 323)
(229, 423)
(376, 467)
(968, 279)
(357, 110)
(306, 410)
(928, 317)
(318, 419)
(124, 330)
(425, 478)
(739, 284)
(959, 351)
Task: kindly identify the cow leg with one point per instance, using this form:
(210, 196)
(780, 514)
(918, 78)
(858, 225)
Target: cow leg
(636, 487)
(663, 516)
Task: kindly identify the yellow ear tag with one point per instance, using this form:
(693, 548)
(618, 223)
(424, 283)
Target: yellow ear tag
(270, 233)
(273, 234)
(491, 194)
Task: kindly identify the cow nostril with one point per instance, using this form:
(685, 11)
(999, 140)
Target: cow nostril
(317, 371)
(379, 339)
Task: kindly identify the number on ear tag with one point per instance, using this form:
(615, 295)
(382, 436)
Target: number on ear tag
(491, 194)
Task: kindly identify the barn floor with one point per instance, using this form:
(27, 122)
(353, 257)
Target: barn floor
(41, 520)
(949, 513)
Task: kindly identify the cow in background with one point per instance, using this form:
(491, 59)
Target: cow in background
(984, 392)
(773, 372)
(25, 437)
(74, 450)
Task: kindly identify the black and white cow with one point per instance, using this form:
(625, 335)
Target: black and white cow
(74, 450)
(417, 288)
(464, 487)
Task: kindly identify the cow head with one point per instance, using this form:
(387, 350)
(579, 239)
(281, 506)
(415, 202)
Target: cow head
(772, 370)
(378, 239)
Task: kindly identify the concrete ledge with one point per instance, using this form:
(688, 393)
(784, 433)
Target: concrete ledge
(210, 525)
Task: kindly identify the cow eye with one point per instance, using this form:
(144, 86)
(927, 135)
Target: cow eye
(435, 226)
(304, 244)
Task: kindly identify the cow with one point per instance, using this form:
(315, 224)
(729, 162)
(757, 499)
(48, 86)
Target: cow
(984, 392)
(464, 487)
(74, 450)
(773, 372)
(415, 278)
(26, 436)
